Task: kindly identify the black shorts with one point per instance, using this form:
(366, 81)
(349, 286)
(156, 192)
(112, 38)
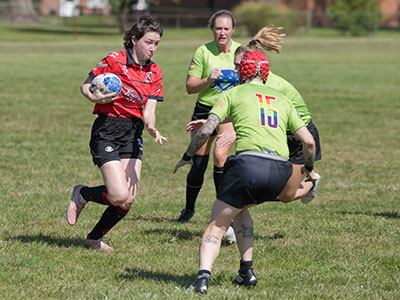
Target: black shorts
(296, 155)
(249, 179)
(201, 113)
(115, 138)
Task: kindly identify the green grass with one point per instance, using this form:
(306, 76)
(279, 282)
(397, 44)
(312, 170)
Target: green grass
(343, 245)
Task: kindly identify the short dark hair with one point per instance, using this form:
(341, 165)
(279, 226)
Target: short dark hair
(221, 13)
(145, 24)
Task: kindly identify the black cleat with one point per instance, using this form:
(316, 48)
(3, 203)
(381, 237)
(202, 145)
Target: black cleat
(248, 278)
(201, 285)
(186, 215)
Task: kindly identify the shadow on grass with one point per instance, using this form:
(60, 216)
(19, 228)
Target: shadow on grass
(182, 234)
(49, 240)
(271, 237)
(136, 273)
(151, 219)
(185, 234)
(389, 215)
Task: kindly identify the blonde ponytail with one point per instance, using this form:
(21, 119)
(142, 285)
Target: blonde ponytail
(270, 39)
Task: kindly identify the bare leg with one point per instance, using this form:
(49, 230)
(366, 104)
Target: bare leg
(221, 153)
(221, 217)
(243, 225)
(292, 190)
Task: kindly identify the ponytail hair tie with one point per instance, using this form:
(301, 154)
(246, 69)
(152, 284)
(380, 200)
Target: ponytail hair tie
(252, 42)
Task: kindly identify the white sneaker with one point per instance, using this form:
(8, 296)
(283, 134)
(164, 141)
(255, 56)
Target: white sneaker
(99, 244)
(230, 235)
(311, 193)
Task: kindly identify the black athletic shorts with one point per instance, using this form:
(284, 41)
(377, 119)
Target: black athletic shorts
(249, 179)
(296, 155)
(201, 113)
(115, 138)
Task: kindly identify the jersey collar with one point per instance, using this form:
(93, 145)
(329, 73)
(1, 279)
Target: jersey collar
(131, 60)
(217, 50)
(256, 83)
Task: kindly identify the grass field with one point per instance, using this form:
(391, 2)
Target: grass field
(343, 245)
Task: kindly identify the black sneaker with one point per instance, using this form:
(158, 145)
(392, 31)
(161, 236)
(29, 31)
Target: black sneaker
(186, 215)
(248, 278)
(201, 285)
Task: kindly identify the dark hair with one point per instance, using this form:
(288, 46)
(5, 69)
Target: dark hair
(221, 13)
(145, 24)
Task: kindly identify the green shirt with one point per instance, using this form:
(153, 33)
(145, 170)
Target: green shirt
(206, 58)
(260, 115)
(278, 83)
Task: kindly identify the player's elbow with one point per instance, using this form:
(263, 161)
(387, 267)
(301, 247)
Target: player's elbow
(190, 90)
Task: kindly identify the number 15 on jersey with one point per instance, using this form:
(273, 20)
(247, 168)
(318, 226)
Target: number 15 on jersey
(267, 112)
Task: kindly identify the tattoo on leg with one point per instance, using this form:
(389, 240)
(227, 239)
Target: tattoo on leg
(212, 239)
(246, 231)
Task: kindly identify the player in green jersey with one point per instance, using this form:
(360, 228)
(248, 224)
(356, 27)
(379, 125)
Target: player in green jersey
(208, 66)
(270, 38)
(259, 171)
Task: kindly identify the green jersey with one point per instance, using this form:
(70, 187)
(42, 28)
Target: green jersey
(206, 58)
(260, 115)
(278, 83)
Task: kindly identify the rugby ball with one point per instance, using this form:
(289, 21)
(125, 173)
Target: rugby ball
(228, 76)
(107, 83)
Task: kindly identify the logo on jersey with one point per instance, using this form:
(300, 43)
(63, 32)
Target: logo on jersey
(148, 78)
(219, 103)
(100, 65)
(133, 96)
(108, 149)
(191, 65)
(113, 55)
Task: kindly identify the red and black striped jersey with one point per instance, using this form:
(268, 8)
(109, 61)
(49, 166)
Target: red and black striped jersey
(139, 84)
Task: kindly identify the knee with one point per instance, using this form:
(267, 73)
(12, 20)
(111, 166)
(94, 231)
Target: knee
(215, 231)
(287, 197)
(128, 203)
(196, 173)
(119, 198)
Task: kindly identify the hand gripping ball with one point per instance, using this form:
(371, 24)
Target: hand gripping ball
(228, 76)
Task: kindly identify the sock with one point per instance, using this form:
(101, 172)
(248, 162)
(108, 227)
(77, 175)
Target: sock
(195, 179)
(203, 273)
(246, 265)
(96, 194)
(111, 216)
(218, 172)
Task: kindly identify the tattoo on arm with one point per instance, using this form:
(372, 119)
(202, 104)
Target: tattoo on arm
(203, 134)
(211, 239)
(246, 231)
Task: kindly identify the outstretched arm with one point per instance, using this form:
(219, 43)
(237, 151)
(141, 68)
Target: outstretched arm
(149, 119)
(201, 136)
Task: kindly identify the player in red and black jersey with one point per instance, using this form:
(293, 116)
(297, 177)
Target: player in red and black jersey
(116, 142)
